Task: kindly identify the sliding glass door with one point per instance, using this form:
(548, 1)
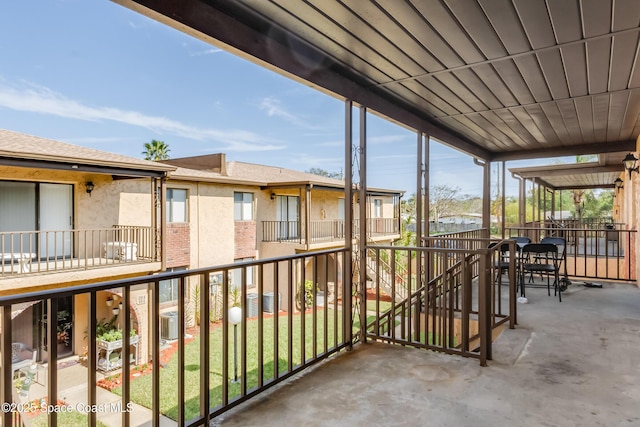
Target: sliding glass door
(56, 220)
(27, 208)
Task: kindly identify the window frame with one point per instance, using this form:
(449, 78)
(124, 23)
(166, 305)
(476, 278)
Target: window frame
(173, 284)
(242, 209)
(169, 203)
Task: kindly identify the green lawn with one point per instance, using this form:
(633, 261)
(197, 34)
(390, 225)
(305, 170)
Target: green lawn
(384, 306)
(141, 386)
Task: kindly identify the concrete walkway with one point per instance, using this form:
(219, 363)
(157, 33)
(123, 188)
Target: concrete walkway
(72, 386)
(575, 363)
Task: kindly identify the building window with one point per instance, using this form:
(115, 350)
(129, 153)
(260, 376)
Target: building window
(377, 208)
(243, 206)
(169, 288)
(235, 275)
(176, 205)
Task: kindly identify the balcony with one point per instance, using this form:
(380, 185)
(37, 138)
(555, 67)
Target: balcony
(327, 231)
(562, 365)
(284, 328)
(27, 253)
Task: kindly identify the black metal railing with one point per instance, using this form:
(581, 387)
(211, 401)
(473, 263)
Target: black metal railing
(24, 252)
(294, 312)
(596, 253)
(455, 307)
(324, 230)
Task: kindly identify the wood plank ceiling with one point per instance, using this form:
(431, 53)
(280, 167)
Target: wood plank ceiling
(499, 79)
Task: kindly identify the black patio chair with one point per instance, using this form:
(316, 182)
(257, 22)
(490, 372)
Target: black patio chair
(501, 263)
(541, 258)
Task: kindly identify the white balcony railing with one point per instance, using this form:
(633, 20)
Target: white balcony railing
(26, 252)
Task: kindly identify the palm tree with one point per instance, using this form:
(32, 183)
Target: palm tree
(156, 150)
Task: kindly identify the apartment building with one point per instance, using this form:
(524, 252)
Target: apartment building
(71, 215)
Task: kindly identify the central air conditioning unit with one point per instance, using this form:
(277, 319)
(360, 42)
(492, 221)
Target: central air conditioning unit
(252, 305)
(268, 302)
(169, 326)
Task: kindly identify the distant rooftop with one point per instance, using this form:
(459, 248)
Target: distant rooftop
(15, 146)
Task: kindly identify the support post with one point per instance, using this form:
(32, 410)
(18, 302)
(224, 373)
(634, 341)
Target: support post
(362, 207)
(347, 281)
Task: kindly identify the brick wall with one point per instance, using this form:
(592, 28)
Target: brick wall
(178, 244)
(245, 239)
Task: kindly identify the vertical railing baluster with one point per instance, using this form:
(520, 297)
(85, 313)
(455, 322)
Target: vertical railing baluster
(243, 338)
(5, 349)
(260, 274)
(314, 309)
(325, 310)
(276, 318)
(225, 337)
(126, 354)
(52, 339)
(181, 335)
(483, 312)
(292, 294)
(205, 343)
(154, 334)
(92, 357)
(303, 310)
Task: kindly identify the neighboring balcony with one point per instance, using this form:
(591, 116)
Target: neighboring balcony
(324, 231)
(28, 253)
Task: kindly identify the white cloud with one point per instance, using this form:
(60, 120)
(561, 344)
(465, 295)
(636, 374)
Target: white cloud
(210, 51)
(273, 108)
(38, 99)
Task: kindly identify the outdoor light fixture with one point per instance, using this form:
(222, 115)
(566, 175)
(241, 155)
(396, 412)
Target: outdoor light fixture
(273, 196)
(630, 163)
(89, 186)
(618, 184)
(235, 317)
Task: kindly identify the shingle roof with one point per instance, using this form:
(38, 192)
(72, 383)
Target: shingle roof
(17, 145)
(260, 175)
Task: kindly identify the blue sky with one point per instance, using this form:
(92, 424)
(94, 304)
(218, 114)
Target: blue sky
(96, 74)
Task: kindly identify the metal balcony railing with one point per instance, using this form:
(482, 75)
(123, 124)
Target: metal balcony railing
(28, 252)
(454, 308)
(294, 312)
(324, 230)
(605, 252)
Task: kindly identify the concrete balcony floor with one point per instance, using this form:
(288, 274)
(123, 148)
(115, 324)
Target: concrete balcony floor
(575, 363)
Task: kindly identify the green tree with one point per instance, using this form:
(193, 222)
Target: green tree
(156, 150)
(322, 172)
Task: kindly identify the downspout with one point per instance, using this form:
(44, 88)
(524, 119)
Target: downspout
(521, 207)
(426, 159)
(504, 199)
(486, 193)
(418, 195)
(163, 222)
(307, 215)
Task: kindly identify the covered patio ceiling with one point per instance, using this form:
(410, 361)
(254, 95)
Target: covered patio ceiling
(497, 79)
(600, 174)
